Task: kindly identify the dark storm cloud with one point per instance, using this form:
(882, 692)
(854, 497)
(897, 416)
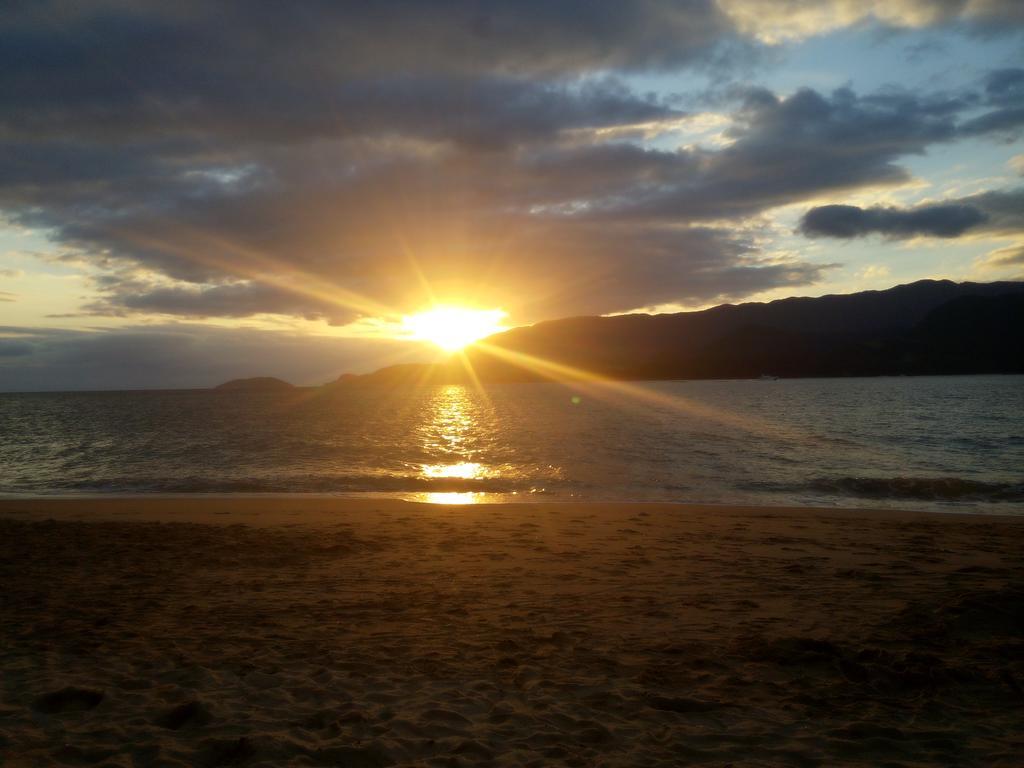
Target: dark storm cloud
(483, 111)
(271, 68)
(487, 112)
(324, 37)
(998, 213)
(846, 221)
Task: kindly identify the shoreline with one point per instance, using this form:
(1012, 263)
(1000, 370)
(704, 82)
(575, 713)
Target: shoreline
(274, 508)
(343, 503)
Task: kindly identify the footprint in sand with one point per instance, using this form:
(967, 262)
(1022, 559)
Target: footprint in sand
(68, 700)
(191, 713)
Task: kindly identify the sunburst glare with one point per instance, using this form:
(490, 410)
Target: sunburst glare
(467, 470)
(453, 328)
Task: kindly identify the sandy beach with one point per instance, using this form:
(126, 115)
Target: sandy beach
(327, 632)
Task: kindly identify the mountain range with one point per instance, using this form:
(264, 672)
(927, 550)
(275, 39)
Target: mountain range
(924, 328)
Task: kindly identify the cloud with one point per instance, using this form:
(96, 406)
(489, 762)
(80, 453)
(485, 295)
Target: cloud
(847, 221)
(473, 111)
(997, 213)
(1004, 95)
(874, 272)
(1004, 210)
(337, 229)
(351, 159)
(784, 149)
(237, 299)
(272, 70)
(779, 20)
(272, 64)
(541, 226)
(11, 348)
(1010, 256)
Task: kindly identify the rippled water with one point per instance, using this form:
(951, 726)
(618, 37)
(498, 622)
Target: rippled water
(921, 443)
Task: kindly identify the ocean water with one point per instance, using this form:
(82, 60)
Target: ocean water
(934, 443)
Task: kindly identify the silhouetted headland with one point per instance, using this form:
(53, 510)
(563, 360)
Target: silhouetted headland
(256, 384)
(930, 327)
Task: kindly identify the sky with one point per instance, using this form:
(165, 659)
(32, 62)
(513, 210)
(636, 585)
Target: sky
(193, 191)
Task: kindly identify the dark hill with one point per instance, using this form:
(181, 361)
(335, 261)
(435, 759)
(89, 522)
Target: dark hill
(255, 384)
(798, 337)
(927, 327)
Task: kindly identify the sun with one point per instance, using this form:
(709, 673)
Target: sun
(452, 328)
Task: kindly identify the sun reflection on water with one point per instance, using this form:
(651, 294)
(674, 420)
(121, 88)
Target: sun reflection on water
(450, 497)
(451, 433)
(466, 470)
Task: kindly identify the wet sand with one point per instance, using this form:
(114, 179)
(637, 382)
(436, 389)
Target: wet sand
(325, 632)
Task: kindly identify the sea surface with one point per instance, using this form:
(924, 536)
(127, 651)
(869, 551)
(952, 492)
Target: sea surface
(933, 443)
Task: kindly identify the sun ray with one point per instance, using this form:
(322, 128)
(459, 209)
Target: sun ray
(258, 266)
(607, 388)
(474, 379)
(451, 328)
(414, 266)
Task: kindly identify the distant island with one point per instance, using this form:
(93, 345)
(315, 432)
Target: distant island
(255, 384)
(930, 327)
